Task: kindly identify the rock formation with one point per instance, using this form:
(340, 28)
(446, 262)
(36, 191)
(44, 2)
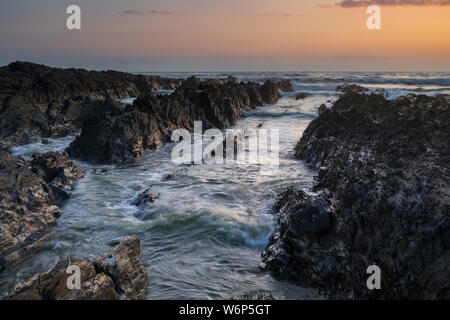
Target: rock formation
(112, 135)
(145, 197)
(383, 199)
(58, 171)
(285, 85)
(117, 275)
(28, 209)
(39, 101)
(351, 88)
(302, 95)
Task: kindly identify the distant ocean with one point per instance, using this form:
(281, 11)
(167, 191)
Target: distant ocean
(324, 83)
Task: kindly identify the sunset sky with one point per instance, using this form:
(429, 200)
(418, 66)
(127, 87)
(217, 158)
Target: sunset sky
(197, 35)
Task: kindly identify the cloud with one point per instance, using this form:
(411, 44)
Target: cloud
(292, 14)
(325, 6)
(142, 13)
(269, 14)
(132, 12)
(160, 12)
(364, 3)
(359, 57)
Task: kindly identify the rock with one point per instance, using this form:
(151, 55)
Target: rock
(302, 95)
(123, 266)
(269, 92)
(254, 93)
(112, 135)
(322, 109)
(58, 171)
(27, 210)
(117, 275)
(39, 101)
(383, 200)
(285, 85)
(255, 295)
(145, 197)
(28, 196)
(174, 175)
(296, 248)
(351, 88)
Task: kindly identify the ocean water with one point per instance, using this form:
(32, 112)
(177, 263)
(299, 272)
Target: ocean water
(203, 237)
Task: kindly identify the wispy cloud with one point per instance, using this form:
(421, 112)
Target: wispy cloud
(359, 57)
(363, 3)
(142, 13)
(269, 14)
(132, 12)
(160, 12)
(325, 6)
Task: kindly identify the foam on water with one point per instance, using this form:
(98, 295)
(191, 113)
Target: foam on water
(51, 144)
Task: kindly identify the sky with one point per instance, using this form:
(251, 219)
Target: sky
(228, 35)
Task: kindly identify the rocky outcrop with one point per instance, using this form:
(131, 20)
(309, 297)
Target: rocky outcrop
(145, 197)
(117, 275)
(285, 85)
(27, 210)
(302, 95)
(112, 135)
(58, 171)
(269, 92)
(28, 194)
(351, 88)
(39, 101)
(383, 199)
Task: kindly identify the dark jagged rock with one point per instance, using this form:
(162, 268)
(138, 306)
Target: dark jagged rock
(112, 135)
(269, 92)
(175, 174)
(58, 171)
(384, 174)
(27, 210)
(322, 109)
(302, 95)
(145, 197)
(255, 295)
(285, 85)
(39, 101)
(351, 88)
(28, 194)
(117, 275)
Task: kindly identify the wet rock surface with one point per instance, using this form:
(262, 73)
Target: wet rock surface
(112, 135)
(285, 85)
(27, 210)
(29, 192)
(58, 171)
(351, 88)
(383, 199)
(145, 197)
(39, 101)
(117, 275)
(302, 95)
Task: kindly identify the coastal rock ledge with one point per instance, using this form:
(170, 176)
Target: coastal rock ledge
(382, 198)
(29, 192)
(112, 134)
(39, 101)
(117, 275)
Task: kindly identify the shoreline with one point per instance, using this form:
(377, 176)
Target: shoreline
(152, 101)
